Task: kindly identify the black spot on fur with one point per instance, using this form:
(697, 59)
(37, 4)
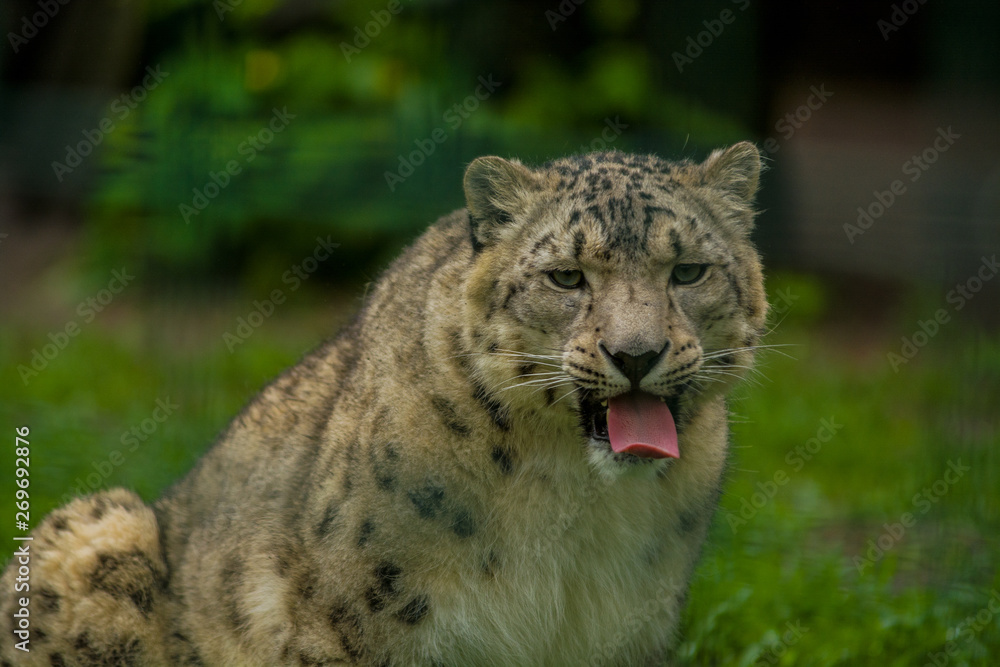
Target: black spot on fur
(365, 532)
(47, 600)
(328, 522)
(59, 523)
(428, 500)
(675, 243)
(56, 660)
(477, 245)
(384, 462)
(183, 651)
(538, 244)
(501, 456)
(735, 286)
(232, 580)
(449, 415)
(122, 654)
(350, 457)
(308, 660)
(376, 601)
(127, 576)
(578, 240)
(388, 575)
(414, 611)
(689, 521)
(493, 406)
(596, 213)
(463, 524)
(100, 505)
(305, 587)
(386, 586)
(511, 292)
(347, 624)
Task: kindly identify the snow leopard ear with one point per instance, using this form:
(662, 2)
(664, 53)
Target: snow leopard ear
(496, 191)
(735, 171)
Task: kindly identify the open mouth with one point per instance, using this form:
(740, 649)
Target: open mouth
(635, 423)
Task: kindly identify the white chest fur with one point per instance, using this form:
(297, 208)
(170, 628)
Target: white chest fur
(588, 571)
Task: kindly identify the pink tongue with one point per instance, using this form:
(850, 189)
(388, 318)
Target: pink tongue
(640, 424)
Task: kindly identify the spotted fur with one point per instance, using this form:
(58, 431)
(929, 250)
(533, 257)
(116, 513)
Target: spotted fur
(423, 488)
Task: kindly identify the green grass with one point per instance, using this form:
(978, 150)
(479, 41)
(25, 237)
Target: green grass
(794, 559)
(788, 562)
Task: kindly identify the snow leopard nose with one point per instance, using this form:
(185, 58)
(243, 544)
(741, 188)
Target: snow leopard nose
(634, 367)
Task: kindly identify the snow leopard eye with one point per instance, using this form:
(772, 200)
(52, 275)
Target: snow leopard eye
(567, 279)
(686, 274)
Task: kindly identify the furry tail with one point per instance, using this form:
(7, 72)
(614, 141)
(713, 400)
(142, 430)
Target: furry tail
(93, 584)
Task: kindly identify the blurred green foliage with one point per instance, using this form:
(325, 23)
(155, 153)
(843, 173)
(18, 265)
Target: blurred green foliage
(363, 105)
